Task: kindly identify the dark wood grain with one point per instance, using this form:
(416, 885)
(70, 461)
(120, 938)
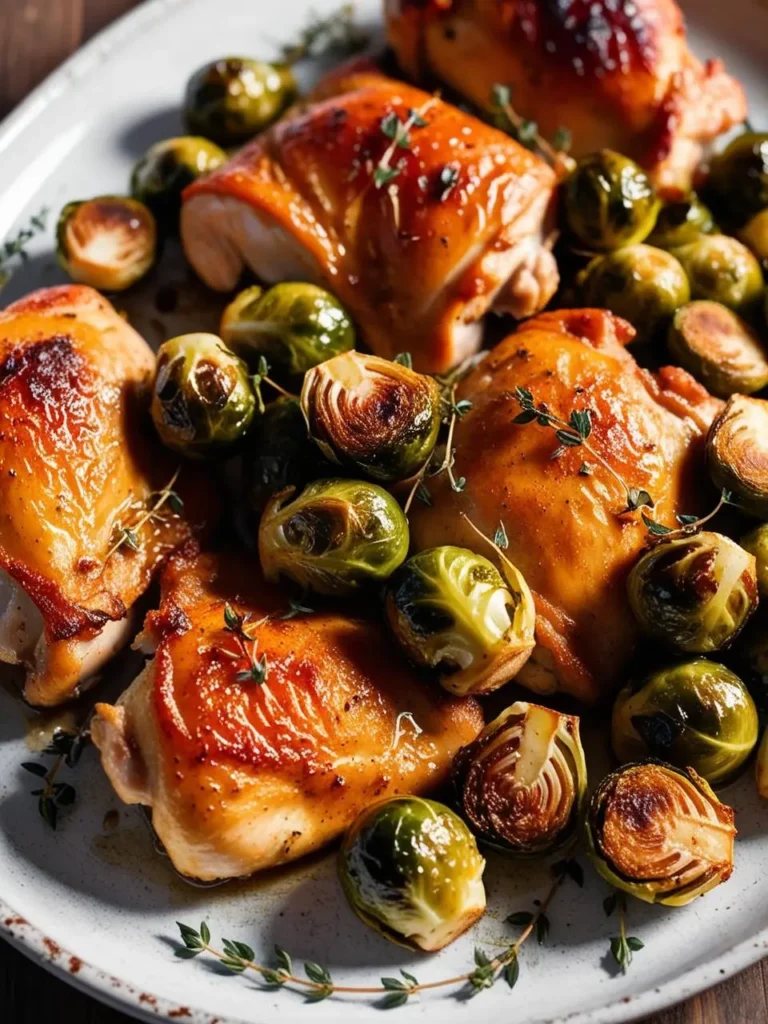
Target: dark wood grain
(35, 36)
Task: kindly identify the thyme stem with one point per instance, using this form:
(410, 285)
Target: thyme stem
(129, 534)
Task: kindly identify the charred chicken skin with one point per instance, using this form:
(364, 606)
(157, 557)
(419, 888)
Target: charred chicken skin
(419, 239)
(75, 468)
(241, 776)
(617, 73)
(563, 515)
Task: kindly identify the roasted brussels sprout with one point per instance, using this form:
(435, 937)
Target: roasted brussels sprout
(737, 452)
(202, 400)
(108, 243)
(294, 326)
(718, 348)
(738, 178)
(335, 537)
(232, 99)
(697, 714)
(521, 783)
(756, 543)
(694, 592)
(452, 610)
(761, 767)
(723, 270)
(754, 235)
(411, 870)
(609, 202)
(165, 170)
(372, 414)
(642, 284)
(681, 221)
(660, 833)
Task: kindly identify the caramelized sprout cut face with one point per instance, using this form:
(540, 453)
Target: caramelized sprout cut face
(165, 170)
(521, 783)
(737, 452)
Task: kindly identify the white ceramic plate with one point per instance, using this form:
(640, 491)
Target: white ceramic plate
(99, 905)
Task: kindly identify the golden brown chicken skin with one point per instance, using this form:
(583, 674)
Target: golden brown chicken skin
(616, 73)
(241, 776)
(460, 224)
(75, 465)
(562, 517)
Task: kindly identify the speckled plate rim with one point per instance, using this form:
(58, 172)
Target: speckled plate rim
(117, 992)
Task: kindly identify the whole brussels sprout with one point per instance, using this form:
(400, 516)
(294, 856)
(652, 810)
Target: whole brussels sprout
(761, 767)
(639, 283)
(165, 170)
(681, 221)
(372, 414)
(659, 833)
(294, 326)
(696, 714)
(109, 242)
(718, 348)
(411, 870)
(451, 610)
(609, 201)
(756, 543)
(521, 784)
(754, 235)
(232, 99)
(202, 400)
(723, 270)
(738, 178)
(334, 538)
(694, 592)
(737, 452)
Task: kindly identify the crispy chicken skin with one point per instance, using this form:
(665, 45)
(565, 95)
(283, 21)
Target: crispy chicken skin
(462, 227)
(617, 73)
(241, 777)
(74, 462)
(565, 531)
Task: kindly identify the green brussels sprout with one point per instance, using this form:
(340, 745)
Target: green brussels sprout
(372, 414)
(694, 592)
(754, 235)
(165, 170)
(451, 610)
(202, 400)
(738, 178)
(609, 201)
(756, 543)
(521, 784)
(334, 538)
(411, 870)
(723, 270)
(696, 714)
(659, 833)
(718, 348)
(294, 326)
(737, 452)
(232, 99)
(761, 767)
(681, 221)
(639, 283)
(109, 242)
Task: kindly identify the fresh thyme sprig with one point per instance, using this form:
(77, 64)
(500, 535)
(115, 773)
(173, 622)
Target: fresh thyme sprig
(238, 625)
(688, 524)
(55, 796)
(527, 132)
(296, 608)
(128, 536)
(335, 35)
(15, 249)
(262, 377)
(622, 945)
(399, 132)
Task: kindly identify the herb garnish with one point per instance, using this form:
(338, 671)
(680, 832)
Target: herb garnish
(55, 796)
(128, 536)
(399, 132)
(622, 945)
(336, 35)
(688, 524)
(527, 132)
(238, 625)
(296, 608)
(262, 377)
(15, 248)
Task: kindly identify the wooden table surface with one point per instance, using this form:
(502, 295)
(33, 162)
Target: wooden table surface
(35, 36)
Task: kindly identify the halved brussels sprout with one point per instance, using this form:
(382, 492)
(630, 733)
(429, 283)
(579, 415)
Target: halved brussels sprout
(718, 348)
(411, 870)
(722, 269)
(639, 283)
(756, 543)
(697, 714)
(202, 400)
(737, 452)
(738, 178)
(372, 414)
(694, 592)
(660, 833)
(165, 170)
(521, 784)
(761, 767)
(754, 235)
(451, 610)
(609, 201)
(232, 99)
(334, 538)
(681, 221)
(294, 326)
(109, 242)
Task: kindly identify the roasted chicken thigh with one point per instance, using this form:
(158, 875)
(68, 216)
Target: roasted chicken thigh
(418, 231)
(241, 776)
(563, 514)
(616, 73)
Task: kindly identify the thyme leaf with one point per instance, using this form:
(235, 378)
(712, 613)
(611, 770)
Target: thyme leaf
(238, 626)
(128, 536)
(335, 35)
(13, 251)
(54, 796)
(527, 132)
